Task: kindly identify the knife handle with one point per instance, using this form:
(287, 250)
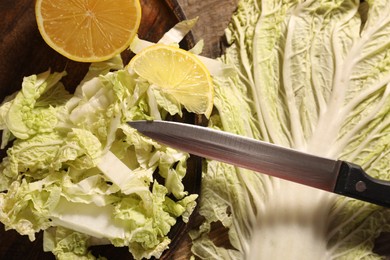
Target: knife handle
(355, 183)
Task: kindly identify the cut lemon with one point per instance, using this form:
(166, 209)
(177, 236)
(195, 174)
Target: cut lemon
(179, 74)
(88, 30)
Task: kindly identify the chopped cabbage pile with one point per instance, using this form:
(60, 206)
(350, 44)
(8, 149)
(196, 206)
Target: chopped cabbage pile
(76, 170)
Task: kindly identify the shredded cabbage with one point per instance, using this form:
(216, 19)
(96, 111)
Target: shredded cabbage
(75, 168)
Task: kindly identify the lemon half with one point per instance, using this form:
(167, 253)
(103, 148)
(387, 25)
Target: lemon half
(88, 30)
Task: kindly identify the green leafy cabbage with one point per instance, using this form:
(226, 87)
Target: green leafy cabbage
(314, 76)
(76, 170)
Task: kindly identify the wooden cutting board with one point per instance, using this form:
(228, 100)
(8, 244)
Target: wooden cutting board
(214, 16)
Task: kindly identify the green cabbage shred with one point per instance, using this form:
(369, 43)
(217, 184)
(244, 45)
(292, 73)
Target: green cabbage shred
(75, 169)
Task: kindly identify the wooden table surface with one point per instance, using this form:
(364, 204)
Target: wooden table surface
(214, 16)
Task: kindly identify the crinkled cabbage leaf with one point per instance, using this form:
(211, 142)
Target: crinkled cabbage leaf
(313, 76)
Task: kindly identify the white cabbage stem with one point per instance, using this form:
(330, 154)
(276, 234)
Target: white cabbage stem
(294, 226)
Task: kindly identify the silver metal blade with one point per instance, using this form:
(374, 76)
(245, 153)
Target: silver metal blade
(245, 152)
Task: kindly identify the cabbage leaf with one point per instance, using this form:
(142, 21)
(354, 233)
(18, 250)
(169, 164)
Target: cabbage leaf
(77, 171)
(313, 76)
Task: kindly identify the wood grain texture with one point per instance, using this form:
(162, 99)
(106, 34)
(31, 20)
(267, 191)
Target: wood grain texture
(214, 16)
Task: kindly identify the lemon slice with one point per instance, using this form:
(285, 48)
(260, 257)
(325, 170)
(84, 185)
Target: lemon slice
(179, 74)
(88, 30)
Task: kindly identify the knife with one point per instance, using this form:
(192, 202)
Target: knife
(337, 176)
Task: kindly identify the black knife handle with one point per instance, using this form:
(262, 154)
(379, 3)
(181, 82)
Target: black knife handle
(355, 183)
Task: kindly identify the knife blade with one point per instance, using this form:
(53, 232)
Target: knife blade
(337, 176)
